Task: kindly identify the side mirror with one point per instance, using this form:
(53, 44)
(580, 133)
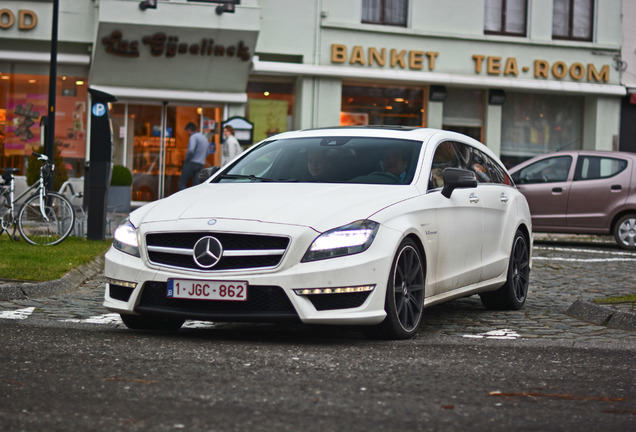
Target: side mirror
(206, 173)
(455, 178)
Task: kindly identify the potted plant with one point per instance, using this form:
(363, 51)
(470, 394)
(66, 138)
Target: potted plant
(119, 192)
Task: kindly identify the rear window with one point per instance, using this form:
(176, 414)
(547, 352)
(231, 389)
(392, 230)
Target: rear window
(328, 160)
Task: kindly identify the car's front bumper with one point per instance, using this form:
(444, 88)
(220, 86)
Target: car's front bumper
(135, 286)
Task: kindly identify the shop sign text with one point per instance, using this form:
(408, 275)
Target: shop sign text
(491, 65)
(162, 45)
(27, 19)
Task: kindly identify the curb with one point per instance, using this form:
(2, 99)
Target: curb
(602, 315)
(66, 284)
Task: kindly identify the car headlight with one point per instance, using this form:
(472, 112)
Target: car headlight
(345, 240)
(125, 238)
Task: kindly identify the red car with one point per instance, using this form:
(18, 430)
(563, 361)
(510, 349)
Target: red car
(581, 192)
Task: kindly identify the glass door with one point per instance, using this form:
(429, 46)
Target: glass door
(150, 139)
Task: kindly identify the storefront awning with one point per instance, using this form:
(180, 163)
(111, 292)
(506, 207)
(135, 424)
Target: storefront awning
(136, 93)
(295, 69)
(184, 47)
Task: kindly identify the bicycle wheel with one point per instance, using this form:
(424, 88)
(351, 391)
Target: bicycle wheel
(48, 227)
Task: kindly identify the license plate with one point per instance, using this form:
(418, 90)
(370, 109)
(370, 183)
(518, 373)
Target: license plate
(207, 290)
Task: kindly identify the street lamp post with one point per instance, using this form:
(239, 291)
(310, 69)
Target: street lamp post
(49, 142)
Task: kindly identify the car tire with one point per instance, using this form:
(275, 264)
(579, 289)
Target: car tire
(140, 322)
(625, 232)
(512, 295)
(404, 302)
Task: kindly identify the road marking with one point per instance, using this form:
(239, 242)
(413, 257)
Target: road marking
(17, 314)
(590, 260)
(594, 251)
(112, 318)
(496, 334)
(623, 256)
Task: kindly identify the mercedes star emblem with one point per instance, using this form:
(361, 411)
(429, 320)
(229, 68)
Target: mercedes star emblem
(207, 252)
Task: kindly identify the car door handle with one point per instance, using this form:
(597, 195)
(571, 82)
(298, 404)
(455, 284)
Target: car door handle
(473, 198)
(617, 187)
(503, 198)
(557, 190)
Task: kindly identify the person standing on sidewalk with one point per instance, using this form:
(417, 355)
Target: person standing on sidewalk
(194, 158)
(231, 146)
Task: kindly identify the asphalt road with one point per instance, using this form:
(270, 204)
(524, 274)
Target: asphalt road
(66, 364)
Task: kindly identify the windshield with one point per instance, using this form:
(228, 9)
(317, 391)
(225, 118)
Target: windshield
(328, 160)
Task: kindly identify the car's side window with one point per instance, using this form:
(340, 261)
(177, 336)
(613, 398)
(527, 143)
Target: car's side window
(549, 170)
(446, 156)
(596, 167)
(479, 164)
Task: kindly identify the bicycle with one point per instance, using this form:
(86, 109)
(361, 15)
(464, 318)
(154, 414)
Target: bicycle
(46, 218)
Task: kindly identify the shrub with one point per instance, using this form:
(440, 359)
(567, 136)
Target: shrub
(121, 176)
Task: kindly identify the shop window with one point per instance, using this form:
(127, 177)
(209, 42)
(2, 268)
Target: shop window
(375, 105)
(536, 124)
(23, 104)
(464, 112)
(506, 17)
(572, 19)
(270, 107)
(386, 12)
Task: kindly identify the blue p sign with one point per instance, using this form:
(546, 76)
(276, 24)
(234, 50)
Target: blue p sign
(99, 109)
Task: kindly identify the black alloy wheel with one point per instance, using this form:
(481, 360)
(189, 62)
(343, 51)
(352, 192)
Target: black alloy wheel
(404, 302)
(512, 295)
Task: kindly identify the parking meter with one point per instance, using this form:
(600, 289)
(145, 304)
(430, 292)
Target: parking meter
(98, 170)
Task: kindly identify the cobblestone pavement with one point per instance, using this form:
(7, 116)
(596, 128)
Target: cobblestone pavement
(562, 274)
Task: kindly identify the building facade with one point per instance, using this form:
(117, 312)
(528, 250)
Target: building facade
(524, 76)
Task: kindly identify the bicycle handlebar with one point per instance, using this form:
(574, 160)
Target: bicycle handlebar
(40, 156)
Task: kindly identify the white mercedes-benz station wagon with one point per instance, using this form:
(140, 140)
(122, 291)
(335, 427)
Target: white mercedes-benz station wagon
(364, 226)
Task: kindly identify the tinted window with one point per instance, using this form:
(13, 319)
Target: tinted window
(447, 155)
(458, 155)
(595, 167)
(550, 170)
(328, 160)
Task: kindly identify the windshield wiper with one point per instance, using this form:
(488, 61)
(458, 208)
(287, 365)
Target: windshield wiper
(251, 177)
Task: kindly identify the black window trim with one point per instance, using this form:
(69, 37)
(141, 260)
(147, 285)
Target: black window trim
(570, 37)
(382, 19)
(503, 31)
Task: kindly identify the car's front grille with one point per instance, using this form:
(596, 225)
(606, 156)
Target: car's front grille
(264, 303)
(240, 251)
(338, 301)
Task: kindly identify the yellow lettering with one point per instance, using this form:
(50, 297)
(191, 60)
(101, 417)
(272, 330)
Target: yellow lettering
(541, 68)
(27, 15)
(7, 19)
(338, 53)
(511, 67)
(432, 55)
(494, 65)
(416, 59)
(378, 57)
(559, 69)
(479, 60)
(357, 55)
(577, 71)
(398, 58)
(592, 73)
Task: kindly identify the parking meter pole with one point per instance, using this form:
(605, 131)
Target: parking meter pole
(97, 177)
